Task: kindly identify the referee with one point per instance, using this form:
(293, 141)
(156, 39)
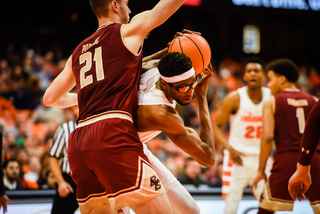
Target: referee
(64, 201)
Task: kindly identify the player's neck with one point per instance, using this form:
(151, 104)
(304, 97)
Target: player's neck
(255, 95)
(107, 20)
(289, 87)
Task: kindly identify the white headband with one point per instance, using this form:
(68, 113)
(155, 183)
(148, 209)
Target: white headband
(179, 78)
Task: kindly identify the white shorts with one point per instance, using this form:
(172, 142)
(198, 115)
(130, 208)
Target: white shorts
(235, 176)
(166, 177)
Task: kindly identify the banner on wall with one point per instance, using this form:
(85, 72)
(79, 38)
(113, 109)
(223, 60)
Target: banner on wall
(281, 4)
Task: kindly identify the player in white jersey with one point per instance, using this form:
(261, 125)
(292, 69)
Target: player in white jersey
(243, 109)
(158, 94)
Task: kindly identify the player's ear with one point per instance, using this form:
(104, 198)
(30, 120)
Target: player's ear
(282, 79)
(244, 77)
(164, 84)
(114, 5)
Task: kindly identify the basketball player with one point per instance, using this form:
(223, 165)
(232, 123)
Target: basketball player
(300, 181)
(244, 110)
(284, 117)
(104, 152)
(160, 89)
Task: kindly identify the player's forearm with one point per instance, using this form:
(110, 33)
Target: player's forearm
(55, 169)
(303, 169)
(157, 55)
(265, 150)
(206, 131)
(192, 145)
(67, 100)
(311, 137)
(146, 21)
(219, 135)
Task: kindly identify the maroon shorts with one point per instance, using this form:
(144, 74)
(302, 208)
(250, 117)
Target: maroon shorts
(276, 196)
(107, 162)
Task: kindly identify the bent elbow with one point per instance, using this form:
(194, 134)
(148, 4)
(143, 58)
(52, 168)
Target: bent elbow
(210, 158)
(268, 138)
(47, 101)
(210, 162)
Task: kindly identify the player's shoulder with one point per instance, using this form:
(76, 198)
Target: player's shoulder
(231, 102)
(266, 89)
(232, 97)
(270, 101)
(161, 113)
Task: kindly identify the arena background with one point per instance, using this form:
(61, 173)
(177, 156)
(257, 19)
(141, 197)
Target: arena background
(291, 33)
(288, 28)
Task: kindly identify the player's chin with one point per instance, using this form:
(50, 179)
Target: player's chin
(253, 85)
(184, 102)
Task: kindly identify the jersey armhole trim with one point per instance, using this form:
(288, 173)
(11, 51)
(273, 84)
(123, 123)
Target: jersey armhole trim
(236, 92)
(123, 42)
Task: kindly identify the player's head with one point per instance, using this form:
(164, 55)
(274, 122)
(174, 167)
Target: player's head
(104, 8)
(254, 72)
(178, 77)
(281, 74)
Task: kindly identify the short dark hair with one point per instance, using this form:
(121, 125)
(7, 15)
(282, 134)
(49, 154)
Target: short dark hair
(286, 68)
(99, 7)
(173, 64)
(6, 162)
(255, 60)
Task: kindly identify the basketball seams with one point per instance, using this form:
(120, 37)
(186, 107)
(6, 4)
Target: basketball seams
(180, 45)
(198, 50)
(195, 47)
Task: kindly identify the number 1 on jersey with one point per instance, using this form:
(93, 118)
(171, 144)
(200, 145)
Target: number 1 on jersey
(301, 119)
(87, 58)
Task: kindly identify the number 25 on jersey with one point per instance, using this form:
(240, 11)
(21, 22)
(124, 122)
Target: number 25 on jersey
(253, 132)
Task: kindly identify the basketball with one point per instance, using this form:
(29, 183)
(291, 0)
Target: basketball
(195, 47)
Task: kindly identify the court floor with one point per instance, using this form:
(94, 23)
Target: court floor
(207, 206)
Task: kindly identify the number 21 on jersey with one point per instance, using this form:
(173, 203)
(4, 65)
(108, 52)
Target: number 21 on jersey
(87, 59)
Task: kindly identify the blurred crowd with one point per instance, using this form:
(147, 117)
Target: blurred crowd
(29, 126)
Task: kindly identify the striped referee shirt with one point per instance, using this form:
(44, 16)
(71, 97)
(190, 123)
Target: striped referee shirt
(60, 144)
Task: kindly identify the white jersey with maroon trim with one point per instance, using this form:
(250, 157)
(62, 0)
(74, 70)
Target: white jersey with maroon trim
(148, 94)
(246, 124)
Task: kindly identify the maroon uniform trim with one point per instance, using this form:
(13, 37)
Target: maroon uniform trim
(138, 183)
(105, 115)
(121, 192)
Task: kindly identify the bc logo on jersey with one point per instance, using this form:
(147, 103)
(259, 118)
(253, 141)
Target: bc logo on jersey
(154, 181)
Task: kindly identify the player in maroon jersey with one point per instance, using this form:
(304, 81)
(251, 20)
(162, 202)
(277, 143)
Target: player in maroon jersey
(284, 118)
(300, 181)
(104, 152)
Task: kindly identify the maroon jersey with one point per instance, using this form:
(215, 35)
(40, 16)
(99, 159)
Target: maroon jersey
(291, 112)
(106, 72)
(311, 136)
